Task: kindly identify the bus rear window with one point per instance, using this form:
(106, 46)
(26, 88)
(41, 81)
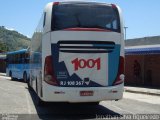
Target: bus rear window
(83, 15)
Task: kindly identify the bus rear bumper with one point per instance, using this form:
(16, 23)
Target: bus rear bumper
(72, 95)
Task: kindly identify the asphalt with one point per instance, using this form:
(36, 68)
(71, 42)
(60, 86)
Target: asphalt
(140, 90)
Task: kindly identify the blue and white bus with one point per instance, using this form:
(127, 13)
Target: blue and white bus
(81, 53)
(18, 64)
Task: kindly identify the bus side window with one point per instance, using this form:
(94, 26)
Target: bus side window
(23, 58)
(27, 58)
(44, 20)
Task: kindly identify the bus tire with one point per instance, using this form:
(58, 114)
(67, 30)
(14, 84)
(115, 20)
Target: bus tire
(90, 103)
(94, 103)
(10, 75)
(25, 77)
(29, 86)
(39, 102)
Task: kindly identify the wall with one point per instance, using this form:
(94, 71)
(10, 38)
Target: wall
(2, 66)
(150, 70)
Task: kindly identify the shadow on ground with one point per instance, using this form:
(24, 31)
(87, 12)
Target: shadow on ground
(71, 111)
(16, 80)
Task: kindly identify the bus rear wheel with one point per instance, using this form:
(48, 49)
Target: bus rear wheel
(90, 103)
(25, 77)
(39, 102)
(10, 75)
(29, 85)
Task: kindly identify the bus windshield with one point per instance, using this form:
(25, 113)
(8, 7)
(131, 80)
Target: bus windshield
(83, 15)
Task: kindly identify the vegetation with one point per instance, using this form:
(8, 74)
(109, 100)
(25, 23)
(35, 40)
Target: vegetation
(12, 40)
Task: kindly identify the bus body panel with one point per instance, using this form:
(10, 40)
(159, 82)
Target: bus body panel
(18, 70)
(53, 43)
(72, 94)
(18, 64)
(91, 75)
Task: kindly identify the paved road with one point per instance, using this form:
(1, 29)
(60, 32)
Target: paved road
(15, 98)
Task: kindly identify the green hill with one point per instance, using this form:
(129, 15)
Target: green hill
(11, 40)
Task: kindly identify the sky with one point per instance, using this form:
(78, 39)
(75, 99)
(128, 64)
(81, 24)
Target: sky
(142, 17)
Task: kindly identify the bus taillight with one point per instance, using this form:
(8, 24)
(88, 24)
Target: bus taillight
(114, 6)
(56, 3)
(49, 76)
(120, 76)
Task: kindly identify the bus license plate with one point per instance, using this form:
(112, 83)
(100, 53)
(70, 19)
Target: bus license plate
(86, 93)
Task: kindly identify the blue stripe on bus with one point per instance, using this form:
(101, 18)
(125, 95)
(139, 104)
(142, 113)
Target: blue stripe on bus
(113, 63)
(18, 51)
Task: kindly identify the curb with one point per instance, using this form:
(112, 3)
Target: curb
(142, 92)
(2, 74)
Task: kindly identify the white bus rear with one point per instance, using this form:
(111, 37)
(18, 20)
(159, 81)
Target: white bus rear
(80, 49)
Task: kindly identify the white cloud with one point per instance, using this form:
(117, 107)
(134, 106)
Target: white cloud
(20, 33)
(11, 29)
(28, 36)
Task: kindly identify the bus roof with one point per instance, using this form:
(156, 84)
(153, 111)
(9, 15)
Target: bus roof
(18, 51)
(80, 1)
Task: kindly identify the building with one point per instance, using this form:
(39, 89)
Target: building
(154, 40)
(142, 65)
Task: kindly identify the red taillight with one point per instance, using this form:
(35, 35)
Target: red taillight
(56, 3)
(49, 76)
(120, 76)
(114, 6)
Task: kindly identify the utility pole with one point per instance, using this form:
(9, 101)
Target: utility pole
(125, 32)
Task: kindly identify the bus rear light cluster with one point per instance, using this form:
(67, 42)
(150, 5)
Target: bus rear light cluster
(114, 6)
(55, 3)
(49, 76)
(120, 76)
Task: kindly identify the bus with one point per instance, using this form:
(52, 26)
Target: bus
(77, 53)
(18, 64)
